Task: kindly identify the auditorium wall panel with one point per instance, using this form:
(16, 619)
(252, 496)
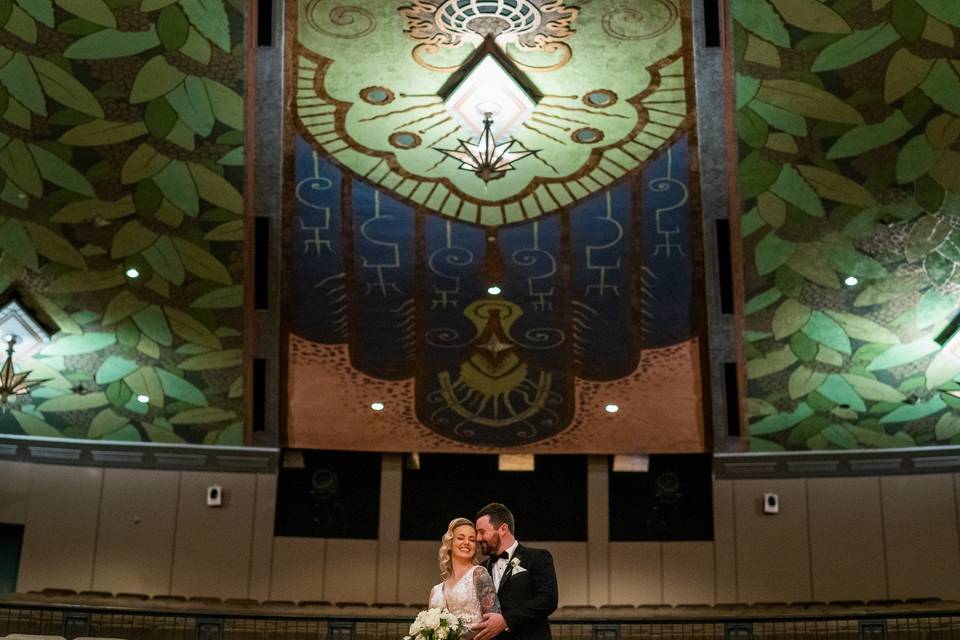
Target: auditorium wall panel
(138, 515)
(724, 542)
(15, 485)
(636, 573)
(773, 552)
(688, 574)
(570, 560)
(60, 531)
(846, 548)
(418, 570)
(350, 570)
(297, 568)
(213, 545)
(920, 527)
(261, 546)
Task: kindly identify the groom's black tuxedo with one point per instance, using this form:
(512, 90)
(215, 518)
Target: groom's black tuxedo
(527, 596)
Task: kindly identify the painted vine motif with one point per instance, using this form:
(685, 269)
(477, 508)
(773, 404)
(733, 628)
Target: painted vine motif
(848, 124)
(121, 148)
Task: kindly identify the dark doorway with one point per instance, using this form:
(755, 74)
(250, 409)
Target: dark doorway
(11, 540)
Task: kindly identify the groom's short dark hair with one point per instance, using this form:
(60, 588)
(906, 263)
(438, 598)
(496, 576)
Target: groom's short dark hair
(498, 514)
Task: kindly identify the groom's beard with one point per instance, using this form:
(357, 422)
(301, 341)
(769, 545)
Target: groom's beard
(492, 547)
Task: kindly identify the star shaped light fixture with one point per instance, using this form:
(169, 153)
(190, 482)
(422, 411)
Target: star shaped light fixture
(489, 97)
(12, 383)
(21, 331)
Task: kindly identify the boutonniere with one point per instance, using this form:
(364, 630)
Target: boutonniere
(515, 565)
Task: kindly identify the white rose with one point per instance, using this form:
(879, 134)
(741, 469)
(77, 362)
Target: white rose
(432, 619)
(452, 620)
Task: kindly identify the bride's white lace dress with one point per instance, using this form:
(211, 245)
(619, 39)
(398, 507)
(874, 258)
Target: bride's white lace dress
(469, 598)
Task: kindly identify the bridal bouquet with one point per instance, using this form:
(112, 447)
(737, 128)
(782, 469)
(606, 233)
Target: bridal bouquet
(436, 624)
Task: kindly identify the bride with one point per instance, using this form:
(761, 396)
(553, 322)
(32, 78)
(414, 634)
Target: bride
(467, 589)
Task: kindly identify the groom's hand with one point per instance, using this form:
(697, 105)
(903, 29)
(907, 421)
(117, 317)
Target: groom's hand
(490, 626)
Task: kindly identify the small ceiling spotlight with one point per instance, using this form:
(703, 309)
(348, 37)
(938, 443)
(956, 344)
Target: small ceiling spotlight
(376, 406)
(851, 281)
(132, 273)
(612, 408)
(143, 398)
(494, 290)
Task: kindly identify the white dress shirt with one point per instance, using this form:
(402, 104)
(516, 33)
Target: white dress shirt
(500, 566)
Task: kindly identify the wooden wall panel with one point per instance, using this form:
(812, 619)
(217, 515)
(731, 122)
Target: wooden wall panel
(688, 573)
(773, 551)
(213, 544)
(636, 573)
(264, 510)
(570, 560)
(297, 569)
(61, 528)
(846, 539)
(419, 570)
(920, 526)
(138, 514)
(724, 540)
(16, 480)
(350, 571)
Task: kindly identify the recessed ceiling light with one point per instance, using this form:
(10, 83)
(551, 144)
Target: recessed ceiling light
(143, 398)
(494, 290)
(612, 408)
(376, 406)
(851, 281)
(133, 273)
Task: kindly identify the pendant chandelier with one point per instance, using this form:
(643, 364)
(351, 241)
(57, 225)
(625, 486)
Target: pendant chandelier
(487, 158)
(11, 383)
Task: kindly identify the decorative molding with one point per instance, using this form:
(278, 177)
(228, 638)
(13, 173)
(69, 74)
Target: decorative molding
(826, 464)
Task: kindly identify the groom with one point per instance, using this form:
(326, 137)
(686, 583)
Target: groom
(525, 579)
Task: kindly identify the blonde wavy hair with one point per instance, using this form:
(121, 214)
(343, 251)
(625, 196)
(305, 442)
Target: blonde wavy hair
(446, 546)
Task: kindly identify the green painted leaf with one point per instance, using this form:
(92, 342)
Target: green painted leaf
(18, 77)
(153, 323)
(213, 360)
(15, 243)
(118, 394)
(839, 436)
(100, 132)
(761, 445)
(114, 368)
(833, 186)
(934, 307)
(789, 318)
(156, 78)
(944, 367)
(911, 412)
(110, 43)
(758, 17)
(890, 289)
(860, 328)
(904, 73)
(206, 415)
(855, 47)
(826, 331)
(179, 388)
(751, 128)
(197, 47)
(34, 426)
(21, 25)
(901, 354)
(209, 17)
(158, 433)
(908, 19)
(872, 389)
(795, 190)
(105, 423)
(122, 306)
(233, 158)
(87, 210)
(804, 380)
(771, 252)
(871, 438)
(942, 86)
(771, 362)
(926, 235)
(870, 136)
(165, 261)
(152, 5)
(55, 170)
(79, 281)
(216, 189)
(191, 329)
(18, 164)
(74, 402)
(95, 11)
(807, 100)
(176, 185)
(812, 263)
(811, 15)
(192, 103)
(849, 261)
(227, 104)
(132, 238)
(222, 298)
(65, 88)
(39, 10)
(173, 28)
(781, 421)
(947, 427)
(54, 246)
(836, 388)
(201, 263)
(944, 10)
(76, 345)
(145, 381)
(143, 163)
(780, 118)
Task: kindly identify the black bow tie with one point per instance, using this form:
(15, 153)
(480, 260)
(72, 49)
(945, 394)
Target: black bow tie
(505, 555)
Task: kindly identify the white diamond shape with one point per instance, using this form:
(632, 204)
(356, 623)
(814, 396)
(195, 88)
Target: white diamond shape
(488, 88)
(15, 320)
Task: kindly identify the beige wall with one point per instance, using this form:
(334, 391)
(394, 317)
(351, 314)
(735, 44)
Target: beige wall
(150, 532)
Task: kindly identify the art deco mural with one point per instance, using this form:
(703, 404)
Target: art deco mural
(492, 227)
(848, 117)
(121, 165)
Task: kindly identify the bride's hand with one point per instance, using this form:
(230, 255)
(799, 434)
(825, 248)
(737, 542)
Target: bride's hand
(490, 626)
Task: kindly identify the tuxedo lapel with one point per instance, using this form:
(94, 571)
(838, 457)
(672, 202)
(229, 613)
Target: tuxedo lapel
(517, 555)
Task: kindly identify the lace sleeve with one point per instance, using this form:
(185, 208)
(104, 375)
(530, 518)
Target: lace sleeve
(486, 593)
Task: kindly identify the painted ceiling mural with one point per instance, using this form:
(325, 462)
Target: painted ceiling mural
(507, 312)
(848, 118)
(121, 171)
